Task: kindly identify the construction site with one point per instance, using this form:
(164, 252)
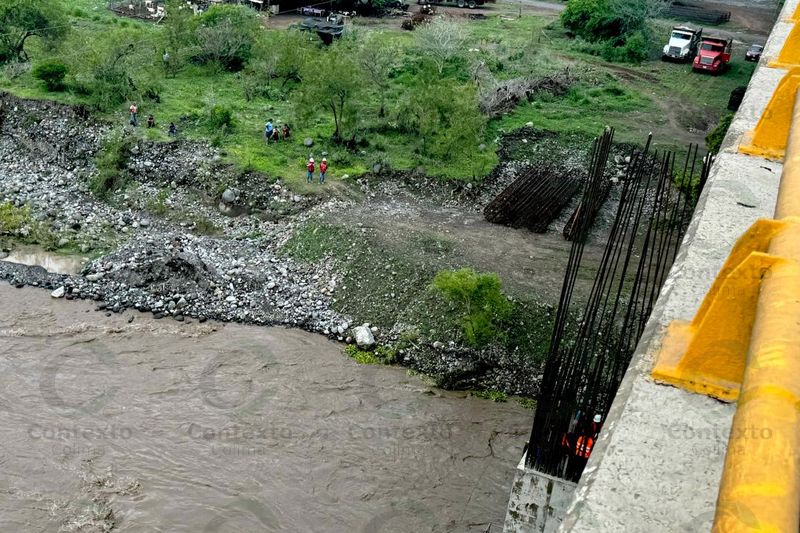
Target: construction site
(388, 266)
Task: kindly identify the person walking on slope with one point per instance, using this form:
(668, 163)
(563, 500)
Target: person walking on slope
(134, 110)
(269, 130)
(310, 168)
(323, 168)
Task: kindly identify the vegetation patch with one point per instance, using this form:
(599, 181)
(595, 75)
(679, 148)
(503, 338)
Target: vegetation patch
(494, 395)
(481, 304)
(111, 162)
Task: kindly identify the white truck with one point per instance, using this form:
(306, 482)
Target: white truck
(683, 43)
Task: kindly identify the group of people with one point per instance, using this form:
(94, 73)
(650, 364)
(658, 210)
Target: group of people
(151, 120)
(270, 133)
(273, 133)
(310, 167)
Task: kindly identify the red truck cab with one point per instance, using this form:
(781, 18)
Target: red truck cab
(714, 55)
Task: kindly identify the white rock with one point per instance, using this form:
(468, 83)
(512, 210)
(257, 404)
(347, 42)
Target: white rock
(58, 293)
(364, 338)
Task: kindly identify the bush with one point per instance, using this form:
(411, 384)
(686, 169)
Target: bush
(220, 118)
(444, 117)
(635, 49)
(226, 34)
(52, 73)
(111, 163)
(361, 357)
(13, 219)
(620, 25)
(483, 305)
(717, 135)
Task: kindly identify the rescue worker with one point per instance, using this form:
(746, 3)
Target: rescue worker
(323, 168)
(310, 168)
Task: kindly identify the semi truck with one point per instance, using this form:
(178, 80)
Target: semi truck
(714, 55)
(683, 44)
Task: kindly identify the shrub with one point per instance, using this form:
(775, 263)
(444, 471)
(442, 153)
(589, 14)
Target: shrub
(220, 118)
(621, 25)
(226, 34)
(13, 219)
(204, 226)
(111, 163)
(634, 49)
(483, 306)
(360, 356)
(52, 73)
(490, 394)
(717, 135)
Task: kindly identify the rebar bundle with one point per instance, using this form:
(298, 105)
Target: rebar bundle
(533, 200)
(596, 187)
(586, 362)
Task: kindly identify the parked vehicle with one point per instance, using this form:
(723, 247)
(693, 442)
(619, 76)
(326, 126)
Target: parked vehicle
(754, 53)
(714, 55)
(683, 44)
(472, 4)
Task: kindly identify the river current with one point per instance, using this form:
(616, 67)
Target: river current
(126, 423)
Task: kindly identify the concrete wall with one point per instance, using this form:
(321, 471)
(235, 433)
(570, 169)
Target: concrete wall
(538, 501)
(658, 462)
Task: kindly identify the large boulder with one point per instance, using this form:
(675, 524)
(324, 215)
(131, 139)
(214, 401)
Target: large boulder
(364, 337)
(229, 196)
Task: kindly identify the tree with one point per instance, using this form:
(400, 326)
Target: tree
(377, 58)
(443, 115)
(596, 20)
(178, 34)
(109, 68)
(22, 19)
(52, 73)
(226, 34)
(441, 40)
(332, 81)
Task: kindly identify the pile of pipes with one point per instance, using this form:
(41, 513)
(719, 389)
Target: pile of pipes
(534, 199)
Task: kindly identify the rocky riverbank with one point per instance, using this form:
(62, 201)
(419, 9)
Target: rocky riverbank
(192, 238)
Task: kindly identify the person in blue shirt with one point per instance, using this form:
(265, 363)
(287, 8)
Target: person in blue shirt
(269, 130)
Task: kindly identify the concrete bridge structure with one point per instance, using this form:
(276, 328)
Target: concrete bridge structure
(661, 456)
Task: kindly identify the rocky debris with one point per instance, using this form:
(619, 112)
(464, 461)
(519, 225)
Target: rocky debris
(162, 263)
(364, 337)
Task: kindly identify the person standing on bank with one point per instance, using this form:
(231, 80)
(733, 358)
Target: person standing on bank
(134, 110)
(323, 168)
(310, 168)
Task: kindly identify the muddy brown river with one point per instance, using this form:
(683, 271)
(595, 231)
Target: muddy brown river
(125, 423)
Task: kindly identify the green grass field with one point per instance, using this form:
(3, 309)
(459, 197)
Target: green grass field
(665, 98)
